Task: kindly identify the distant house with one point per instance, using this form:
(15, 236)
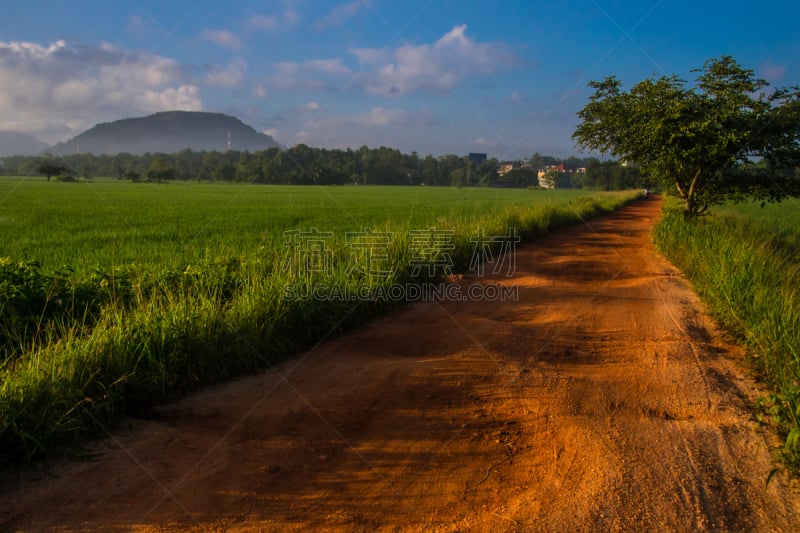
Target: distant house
(551, 168)
(477, 157)
(545, 183)
(505, 168)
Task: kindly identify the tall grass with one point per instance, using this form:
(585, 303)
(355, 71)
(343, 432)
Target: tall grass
(750, 277)
(148, 335)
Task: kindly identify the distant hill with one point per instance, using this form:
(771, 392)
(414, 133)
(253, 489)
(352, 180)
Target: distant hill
(167, 132)
(17, 143)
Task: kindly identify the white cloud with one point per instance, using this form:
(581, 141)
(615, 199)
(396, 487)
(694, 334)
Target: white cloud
(185, 97)
(485, 143)
(74, 92)
(262, 22)
(305, 75)
(233, 74)
(339, 15)
(327, 66)
(373, 127)
(59, 87)
(286, 76)
(223, 38)
(771, 72)
(259, 91)
(442, 65)
(287, 19)
(379, 116)
(136, 26)
(311, 106)
(291, 17)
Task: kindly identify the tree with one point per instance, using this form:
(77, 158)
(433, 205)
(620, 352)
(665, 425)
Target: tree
(539, 161)
(726, 138)
(160, 171)
(487, 172)
(518, 177)
(430, 171)
(551, 179)
(457, 177)
(610, 175)
(50, 167)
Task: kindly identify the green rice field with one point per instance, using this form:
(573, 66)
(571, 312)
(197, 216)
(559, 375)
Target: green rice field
(780, 222)
(105, 223)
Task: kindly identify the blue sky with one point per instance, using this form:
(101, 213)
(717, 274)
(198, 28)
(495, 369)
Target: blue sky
(431, 76)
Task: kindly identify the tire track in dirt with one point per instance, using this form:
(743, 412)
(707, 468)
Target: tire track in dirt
(602, 399)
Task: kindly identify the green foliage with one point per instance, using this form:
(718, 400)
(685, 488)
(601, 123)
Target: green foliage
(612, 176)
(551, 179)
(781, 221)
(701, 141)
(139, 334)
(518, 177)
(299, 165)
(749, 275)
(160, 171)
(34, 304)
(49, 166)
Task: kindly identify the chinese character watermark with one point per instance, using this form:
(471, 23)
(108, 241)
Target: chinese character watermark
(496, 251)
(308, 251)
(369, 254)
(429, 249)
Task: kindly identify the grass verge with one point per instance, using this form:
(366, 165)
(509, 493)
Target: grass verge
(750, 278)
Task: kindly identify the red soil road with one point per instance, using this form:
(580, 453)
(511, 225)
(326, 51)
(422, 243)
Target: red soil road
(603, 399)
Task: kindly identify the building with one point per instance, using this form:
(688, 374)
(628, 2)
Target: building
(505, 168)
(477, 157)
(551, 168)
(546, 183)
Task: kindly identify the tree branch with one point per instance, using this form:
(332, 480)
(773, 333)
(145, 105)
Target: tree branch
(694, 181)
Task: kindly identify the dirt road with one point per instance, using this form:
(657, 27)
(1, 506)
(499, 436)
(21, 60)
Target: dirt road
(603, 399)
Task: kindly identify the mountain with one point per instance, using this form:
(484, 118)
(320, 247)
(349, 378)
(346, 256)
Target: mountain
(17, 143)
(167, 132)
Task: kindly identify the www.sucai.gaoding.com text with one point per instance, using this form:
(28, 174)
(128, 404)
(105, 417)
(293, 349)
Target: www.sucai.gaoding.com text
(405, 292)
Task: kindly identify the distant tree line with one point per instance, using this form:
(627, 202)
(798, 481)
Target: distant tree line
(304, 165)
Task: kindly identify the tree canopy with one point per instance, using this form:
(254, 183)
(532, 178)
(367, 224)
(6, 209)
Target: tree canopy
(160, 171)
(50, 167)
(306, 165)
(725, 138)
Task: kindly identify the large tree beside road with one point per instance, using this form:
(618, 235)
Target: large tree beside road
(727, 137)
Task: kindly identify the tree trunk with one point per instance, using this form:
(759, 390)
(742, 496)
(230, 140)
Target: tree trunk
(690, 207)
